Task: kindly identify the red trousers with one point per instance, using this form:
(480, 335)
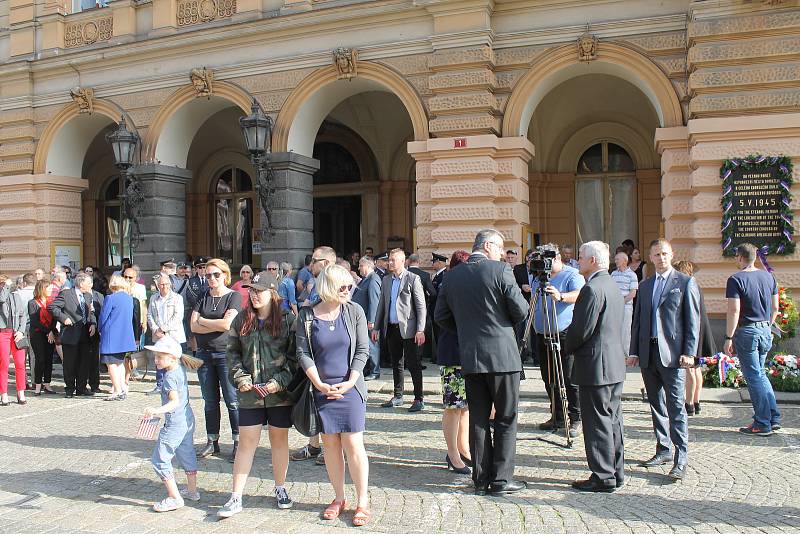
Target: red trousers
(8, 347)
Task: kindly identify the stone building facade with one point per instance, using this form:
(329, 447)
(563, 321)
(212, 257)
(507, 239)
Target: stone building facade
(411, 122)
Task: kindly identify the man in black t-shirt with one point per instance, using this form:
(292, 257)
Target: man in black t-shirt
(752, 307)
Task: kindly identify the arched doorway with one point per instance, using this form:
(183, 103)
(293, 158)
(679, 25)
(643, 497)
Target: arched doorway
(110, 242)
(337, 215)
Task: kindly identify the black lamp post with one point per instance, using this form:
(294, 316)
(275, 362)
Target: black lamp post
(123, 144)
(257, 131)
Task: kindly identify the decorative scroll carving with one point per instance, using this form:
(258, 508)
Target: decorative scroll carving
(587, 46)
(84, 97)
(85, 33)
(198, 11)
(203, 81)
(346, 61)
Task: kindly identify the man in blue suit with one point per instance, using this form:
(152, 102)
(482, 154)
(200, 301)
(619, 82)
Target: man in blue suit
(368, 294)
(666, 326)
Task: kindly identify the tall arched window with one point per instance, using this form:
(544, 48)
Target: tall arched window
(233, 213)
(110, 234)
(605, 195)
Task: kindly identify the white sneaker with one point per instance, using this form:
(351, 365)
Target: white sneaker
(169, 504)
(230, 508)
(284, 501)
(190, 495)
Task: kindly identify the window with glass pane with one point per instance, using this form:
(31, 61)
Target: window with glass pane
(110, 231)
(606, 201)
(233, 212)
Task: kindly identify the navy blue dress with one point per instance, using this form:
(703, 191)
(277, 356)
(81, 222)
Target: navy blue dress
(331, 355)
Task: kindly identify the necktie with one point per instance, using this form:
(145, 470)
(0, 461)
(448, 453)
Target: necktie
(82, 302)
(657, 290)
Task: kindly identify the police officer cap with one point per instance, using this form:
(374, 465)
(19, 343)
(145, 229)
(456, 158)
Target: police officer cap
(184, 264)
(170, 260)
(439, 257)
(200, 261)
(383, 256)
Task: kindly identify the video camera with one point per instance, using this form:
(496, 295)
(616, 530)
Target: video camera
(540, 264)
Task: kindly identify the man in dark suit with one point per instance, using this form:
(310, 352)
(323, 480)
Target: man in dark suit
(401, 321)
(481, 302)
(94, 355)
(440, 266)
(73, 309)
(599, 369)
(426, 351)
(525, 283)
(666, 326)
(368, 295)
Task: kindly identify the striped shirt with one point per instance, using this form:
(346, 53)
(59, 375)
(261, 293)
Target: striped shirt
(626, 282)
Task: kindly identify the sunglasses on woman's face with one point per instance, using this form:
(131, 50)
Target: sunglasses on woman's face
(272, 268)
(130, 278)
(342, 289)
(215, 274)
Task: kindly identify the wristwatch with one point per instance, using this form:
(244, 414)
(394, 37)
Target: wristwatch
(728, 338)
(561, 297)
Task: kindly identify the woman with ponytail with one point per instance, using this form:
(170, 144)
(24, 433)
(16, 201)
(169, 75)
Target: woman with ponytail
(262, 362)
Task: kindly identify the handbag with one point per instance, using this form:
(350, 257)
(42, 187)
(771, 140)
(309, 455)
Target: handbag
(305, 416)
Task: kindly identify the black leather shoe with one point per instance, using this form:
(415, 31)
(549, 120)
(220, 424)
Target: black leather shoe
(621, 482)
(549, 425)
(69, 395)
(212, 447)
(658, 459)
(594, 486)
(481, 489)
(509, 487)
(677, 472)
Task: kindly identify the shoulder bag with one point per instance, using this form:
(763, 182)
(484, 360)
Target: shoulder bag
(305, 416)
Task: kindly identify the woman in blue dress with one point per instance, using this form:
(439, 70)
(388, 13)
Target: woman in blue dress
(332, 348)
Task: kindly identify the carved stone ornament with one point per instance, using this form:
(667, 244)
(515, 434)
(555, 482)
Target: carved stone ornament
(587, 46)
(203, 81)
(346, 61)
(84, 97)
(89, 32)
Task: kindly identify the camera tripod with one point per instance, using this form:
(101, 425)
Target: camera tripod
(552, 344)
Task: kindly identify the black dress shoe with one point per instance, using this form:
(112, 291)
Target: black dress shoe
(677, 472)
(658, 459)
(594, 486)
(481, 489)
(621, 482)
(69, 395)
(212, 447)
(509, 487)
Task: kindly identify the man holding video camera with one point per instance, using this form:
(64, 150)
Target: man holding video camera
(562, 284)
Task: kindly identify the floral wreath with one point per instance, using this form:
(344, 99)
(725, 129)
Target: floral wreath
(757, 162)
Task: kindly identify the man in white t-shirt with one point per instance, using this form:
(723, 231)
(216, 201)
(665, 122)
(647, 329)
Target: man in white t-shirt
(628, 285)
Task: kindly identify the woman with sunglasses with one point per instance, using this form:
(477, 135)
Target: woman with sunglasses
(332, 348)
(262, 362)
(246, 274)
(210, 322)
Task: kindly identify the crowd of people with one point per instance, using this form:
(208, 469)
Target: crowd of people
(336, 322)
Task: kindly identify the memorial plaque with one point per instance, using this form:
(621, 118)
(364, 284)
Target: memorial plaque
(755, 203)
(756, 216)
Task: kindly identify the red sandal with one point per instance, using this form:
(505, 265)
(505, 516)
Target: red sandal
(361, 517)
(334, 509)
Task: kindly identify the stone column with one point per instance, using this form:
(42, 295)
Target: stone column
(469, 183)
(163, 220)
(38, 210)
(292, 215)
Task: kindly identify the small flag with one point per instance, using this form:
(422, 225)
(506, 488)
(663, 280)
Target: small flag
(725, 364)
(261, 389)
(147, 427)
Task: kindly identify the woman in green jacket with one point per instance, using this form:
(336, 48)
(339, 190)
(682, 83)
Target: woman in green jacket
(262, 362)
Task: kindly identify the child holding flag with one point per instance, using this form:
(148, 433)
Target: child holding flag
(176, 438)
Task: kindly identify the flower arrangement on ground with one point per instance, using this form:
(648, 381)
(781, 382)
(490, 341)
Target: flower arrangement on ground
(783, 373)
(722, 370)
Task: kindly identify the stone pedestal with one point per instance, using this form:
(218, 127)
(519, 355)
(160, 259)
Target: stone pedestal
(469, 183)
(691, 185)
(38, 211)
(163, 220)
(292, 215)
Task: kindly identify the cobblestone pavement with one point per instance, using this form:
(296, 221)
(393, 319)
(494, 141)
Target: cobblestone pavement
(74, 465)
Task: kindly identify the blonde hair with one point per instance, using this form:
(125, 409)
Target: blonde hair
(222, 266)
(119, 283)
(188, 361)
(330, 279)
